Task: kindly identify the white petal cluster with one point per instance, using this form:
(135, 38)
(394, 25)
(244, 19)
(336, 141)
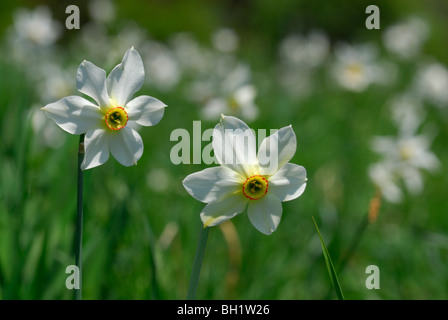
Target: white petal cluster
(356, 67)
(109, 124)
(226, 189)
(404, 156)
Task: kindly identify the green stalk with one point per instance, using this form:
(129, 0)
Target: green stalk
(330, 267)
(149, 238)
(197, 263)
(79, 214)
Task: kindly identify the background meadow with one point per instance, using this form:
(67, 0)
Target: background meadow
(271, 63)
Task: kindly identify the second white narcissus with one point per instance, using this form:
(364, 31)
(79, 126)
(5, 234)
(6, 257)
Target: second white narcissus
(110, 124)
(246, 178)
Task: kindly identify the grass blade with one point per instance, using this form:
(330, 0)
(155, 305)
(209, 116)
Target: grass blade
(330, 266)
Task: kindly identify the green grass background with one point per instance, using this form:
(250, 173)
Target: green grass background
(124, 218)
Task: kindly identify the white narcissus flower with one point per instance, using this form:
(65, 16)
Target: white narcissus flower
(36, 26)
(355, 68)
(403, 156)
(246, 178)
(110, 124)
(406, 38)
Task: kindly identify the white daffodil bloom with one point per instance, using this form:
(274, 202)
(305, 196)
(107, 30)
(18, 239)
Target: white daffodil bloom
(407, 151)
(246, 178)
(36, 26)
(431, 82)
(406, 38)
(355, 68)
(383, 176)
(225, 40)
(109, 125)
(241, 101)
(404, 157)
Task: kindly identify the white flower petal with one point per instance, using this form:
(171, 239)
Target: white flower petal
(145, 110)
(96, 149)
(91, 80)
(127, 77)
(426, 160)
(265, 213)
(289, 182)
(412, 179)
(223, 209)
(234, 145)
(384, 145)
(383, 177)
(276, 150)
(73, 114)
(126, 146)
(212, 184)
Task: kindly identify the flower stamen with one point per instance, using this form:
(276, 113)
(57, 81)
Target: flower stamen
(255, 187)
(116, 118)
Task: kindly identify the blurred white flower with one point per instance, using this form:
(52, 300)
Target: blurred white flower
(163, 69)
(403, 158)
(405, 39)
(431, 82)
(106, 47)
(299, 57)
(356, 67)
(45, 130)
(383, 177)
(230, 93)
(109, 125)
(225, 40)
(245, 181)
(102, 11)
(36, 26)
(216, 80)
(239, 102)
(407, 113)
(304, 51)
(192, 57)
(407, 151)
(53, 82)
(93, 38)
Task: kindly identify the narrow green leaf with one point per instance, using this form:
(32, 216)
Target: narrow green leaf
(330, 266)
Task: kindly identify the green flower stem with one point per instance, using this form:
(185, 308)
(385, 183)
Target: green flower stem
(149, 238)
(197, 263)
(79, 214)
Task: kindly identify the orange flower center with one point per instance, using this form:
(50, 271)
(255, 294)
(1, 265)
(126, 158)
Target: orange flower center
(255, 187)
(116, 118)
